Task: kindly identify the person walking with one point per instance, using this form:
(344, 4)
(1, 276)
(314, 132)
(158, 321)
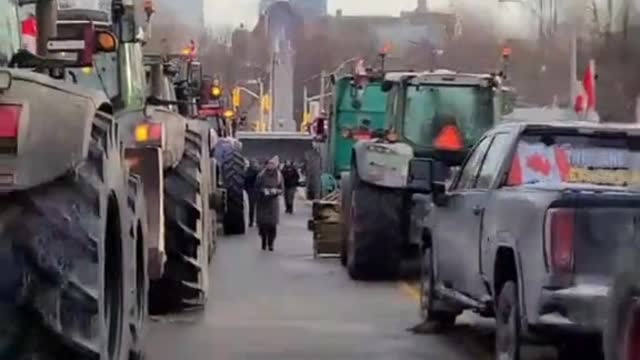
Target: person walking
(269, 185)
(251, 175)
(291, 182)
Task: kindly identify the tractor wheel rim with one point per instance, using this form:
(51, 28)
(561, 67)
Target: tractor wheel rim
(632, 333)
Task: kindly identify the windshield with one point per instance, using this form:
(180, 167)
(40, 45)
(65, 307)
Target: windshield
(576, 159)
(9, 30)
(429, 108)
(103, 76)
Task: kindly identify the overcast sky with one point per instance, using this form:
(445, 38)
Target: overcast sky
(221, 12)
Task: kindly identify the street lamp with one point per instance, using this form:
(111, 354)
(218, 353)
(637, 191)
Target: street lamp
(574, 41)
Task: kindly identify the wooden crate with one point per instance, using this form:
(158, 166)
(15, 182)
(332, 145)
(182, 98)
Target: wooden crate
(326, 226)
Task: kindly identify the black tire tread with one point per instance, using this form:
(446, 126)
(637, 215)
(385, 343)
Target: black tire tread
(185, 233)
(50, 249)
(313, 174)
(233, 179)
(377, 224)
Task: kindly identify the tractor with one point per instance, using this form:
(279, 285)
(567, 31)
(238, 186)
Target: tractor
(73, 224)
(226, 149)
(166, 150)
(436, 114)
(358, 110)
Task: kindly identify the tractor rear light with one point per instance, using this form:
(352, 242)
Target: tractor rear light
(9, 120)
(559, 237)
(449, 139)
(147, 132)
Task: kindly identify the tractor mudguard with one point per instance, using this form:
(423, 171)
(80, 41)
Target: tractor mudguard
(174, 129)
(52, 130)
(383, 164)
(146, 163)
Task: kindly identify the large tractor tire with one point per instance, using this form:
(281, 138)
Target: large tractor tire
(185, 281)
(313, 174)
(233, 178)
(65, 290)
(138, 231)
(345, 216)
(374, 246)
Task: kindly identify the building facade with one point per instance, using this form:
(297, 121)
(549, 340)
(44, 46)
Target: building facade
(310, 9)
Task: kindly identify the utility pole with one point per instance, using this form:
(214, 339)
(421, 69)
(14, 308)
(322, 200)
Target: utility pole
(323, 76)
(272, 88)
(261, 102)
(305, 102)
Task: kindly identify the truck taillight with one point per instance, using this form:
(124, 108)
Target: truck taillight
(559, 236)
(147, 132)
(9, 120)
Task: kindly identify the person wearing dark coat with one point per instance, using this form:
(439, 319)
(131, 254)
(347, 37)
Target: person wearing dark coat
(270, 185)
(251, 175)
(291, 181)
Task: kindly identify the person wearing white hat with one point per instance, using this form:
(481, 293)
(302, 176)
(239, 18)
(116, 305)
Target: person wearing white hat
(270, 185)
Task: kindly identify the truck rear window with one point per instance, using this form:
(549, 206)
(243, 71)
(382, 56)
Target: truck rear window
(607, 160)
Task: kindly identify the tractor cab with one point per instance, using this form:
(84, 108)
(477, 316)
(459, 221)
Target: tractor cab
(441, 114)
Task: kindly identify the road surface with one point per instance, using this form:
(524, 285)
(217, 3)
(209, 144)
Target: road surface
(287, 306)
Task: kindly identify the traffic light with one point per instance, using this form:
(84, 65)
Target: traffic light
(216, 92)
(266, 103)
(236, 97)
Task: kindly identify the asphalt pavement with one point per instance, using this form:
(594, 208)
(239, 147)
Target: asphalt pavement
(286, 305)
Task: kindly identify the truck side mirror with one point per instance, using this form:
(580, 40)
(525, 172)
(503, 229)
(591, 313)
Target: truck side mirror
(420, 177)
(509, 98)
(386, 86)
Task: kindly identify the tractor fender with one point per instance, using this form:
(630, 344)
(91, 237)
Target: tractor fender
(54, 128)
(382, 164)
(174, 125)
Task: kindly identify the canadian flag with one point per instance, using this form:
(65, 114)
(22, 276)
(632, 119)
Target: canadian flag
(30, 34)
(586, 100)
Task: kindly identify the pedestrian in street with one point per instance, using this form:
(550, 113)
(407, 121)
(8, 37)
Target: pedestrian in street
(250, 178)
(270, 186)
(291, 182)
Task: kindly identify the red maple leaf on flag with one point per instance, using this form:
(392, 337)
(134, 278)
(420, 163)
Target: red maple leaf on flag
(539, 163)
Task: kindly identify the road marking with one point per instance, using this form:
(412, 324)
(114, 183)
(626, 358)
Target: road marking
(411, 290)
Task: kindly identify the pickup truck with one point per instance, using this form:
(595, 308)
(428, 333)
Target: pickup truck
(531, 230)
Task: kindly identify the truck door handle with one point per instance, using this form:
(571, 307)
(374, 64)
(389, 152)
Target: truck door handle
(477, 210)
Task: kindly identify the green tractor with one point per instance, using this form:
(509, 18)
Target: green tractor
(166, 150)
(437, 114)
(358, 112)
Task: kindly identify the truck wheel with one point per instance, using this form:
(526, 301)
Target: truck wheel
(64, 261)
(138, 230)
(345, 214)
(233, 177)
(582, 347)
(621, 338)
(186, 279)
(508, 340)
(375, 231)
(428, 297)
(313, 173)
